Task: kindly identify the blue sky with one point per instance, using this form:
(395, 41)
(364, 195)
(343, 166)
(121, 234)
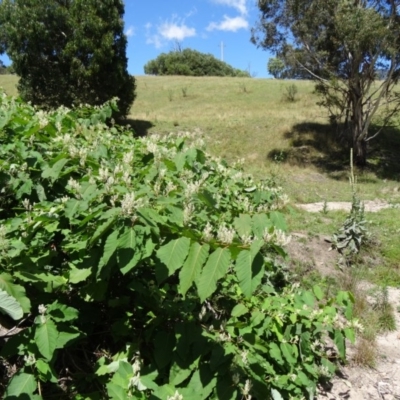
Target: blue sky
(155, 26)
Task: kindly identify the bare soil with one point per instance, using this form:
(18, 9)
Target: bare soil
(354, 382)
(369, 206)
(379, 383)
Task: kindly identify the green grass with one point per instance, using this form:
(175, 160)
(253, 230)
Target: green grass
(9, 84)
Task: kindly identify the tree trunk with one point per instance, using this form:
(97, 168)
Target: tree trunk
(359, 130)
(360, 152)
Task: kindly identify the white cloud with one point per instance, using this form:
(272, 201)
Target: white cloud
(174, 31)
(130, 31)
(229, 24)
(155, 40)
(240, 5)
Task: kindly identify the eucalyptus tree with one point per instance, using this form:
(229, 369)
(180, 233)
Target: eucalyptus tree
(68, 52)
(276, 67)
(342, 45)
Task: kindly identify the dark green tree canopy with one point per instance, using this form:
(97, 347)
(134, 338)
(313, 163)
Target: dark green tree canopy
(69, 51)
(191, 63)
(343, 45)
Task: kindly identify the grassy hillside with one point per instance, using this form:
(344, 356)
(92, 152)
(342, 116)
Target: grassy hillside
(249, 119)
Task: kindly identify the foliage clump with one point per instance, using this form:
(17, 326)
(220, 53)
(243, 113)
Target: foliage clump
(190, 63)
(68, 52)
(144, 268)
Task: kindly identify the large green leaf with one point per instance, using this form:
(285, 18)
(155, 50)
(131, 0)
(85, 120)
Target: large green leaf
(16, 291)
(116, 392)
(276, 395)
(79, 275)
(215, 268)
(88, 191)
(54, 172)
(21, 384)
(164, 343)
(66, 336)
(130, 249)
(103, 228)
(287, 352)
(110, 246)
(173, 254)
(61, 312)
(278, 220)
(10, 306)
(340, 343)
(46, 371)
(127, 239)
(249, 268)
(192, 267)
(72, 206)
(243, 225)
(46, 335)
(260, 223)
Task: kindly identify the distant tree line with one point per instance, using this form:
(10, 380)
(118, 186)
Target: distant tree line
(191, 63)
(280, 69)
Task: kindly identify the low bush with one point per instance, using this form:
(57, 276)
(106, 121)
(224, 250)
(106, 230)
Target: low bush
(145, 269)
(191, 63)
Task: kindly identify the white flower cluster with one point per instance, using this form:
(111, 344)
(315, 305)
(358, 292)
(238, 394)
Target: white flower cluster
(42, 310)
(129, 204)
(246, 390)
(324, 371)
(30, 360)
(192, 188)
(243, 356)
(42, 117)
(188, 212)
(277, 237)
(225, 235)
(176, 396)
(4, 244)
(75, 186)
(135, 382)
(27, 205)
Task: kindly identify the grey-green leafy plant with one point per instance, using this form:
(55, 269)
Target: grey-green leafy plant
(354, 232)
(325, 207)
(145, 268)
(69, 52)
(344, 46)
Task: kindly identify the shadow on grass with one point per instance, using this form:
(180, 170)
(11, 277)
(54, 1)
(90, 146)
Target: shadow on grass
(140, 127)
(320, 145)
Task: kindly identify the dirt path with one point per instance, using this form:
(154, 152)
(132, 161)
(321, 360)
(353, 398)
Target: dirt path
(369, 206)
(379, 383)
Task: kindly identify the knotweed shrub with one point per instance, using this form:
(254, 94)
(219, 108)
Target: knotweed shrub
(146, 269)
